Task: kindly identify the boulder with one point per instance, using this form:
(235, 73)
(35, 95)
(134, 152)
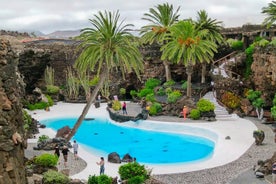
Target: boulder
(114, 158)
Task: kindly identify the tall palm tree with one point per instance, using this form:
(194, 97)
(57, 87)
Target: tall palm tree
(213, 27)
(270, 11)
(161, 18)
(187, 44)
(108, 45)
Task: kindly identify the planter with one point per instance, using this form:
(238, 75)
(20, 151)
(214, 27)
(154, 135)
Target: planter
(259, 136)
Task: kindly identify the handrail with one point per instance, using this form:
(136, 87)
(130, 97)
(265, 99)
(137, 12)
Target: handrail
(224, 58)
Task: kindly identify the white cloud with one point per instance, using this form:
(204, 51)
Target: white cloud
(50, 15)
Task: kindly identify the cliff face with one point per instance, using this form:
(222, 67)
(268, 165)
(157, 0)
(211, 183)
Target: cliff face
(264, 72)
(11, 119)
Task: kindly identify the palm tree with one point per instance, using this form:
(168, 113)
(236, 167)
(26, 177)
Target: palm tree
(213, 27)
(108, 45)
(161, 18)
(187, 44)
(270, 11)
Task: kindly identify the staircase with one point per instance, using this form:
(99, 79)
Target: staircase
(220, 111)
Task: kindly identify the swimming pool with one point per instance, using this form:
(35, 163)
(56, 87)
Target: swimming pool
(148, 142)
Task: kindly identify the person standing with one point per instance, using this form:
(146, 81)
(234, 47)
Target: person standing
(185, 111)
(124, 108)
(57, 151)
(101, 164)
(75, 148)
(65, 151)
(274, 173)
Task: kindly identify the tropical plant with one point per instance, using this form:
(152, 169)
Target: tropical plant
(213, 27)
(102, 179)
(46, 160)
(116, 105)
(43, 138)
(273, 108)
(249, 59)
(195, 114)
(49, 74)
(84, 80)
(186, 44)
(204, 105)
(161, 18)
(133, 169)
(230, 100)
(72, 84)
(155, 108)
(151, 83)
(174, 96)
(256, 100)
(169, 83)
(55, 177)
(108, 45)
(270, 12)
(235, 44)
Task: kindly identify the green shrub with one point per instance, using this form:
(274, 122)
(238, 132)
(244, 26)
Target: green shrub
(133, 93)
(46, 160)
(136, 180)
(116, 105)
(184, 85)
(155, 108)
(122, 91)
(235, 44)
(161, 91)
(131, 170)
(151, 83)
(52, 90)
(150, 98)
(204, 105)
(263, 42)
(230, 100)
(168, 90)
(249, 60)
(195, 114)
(27, 119)
(94, 81)
(144, 92)
(39, 105)
(43, 138)
(174, 96)
(102, 179)
(54, 177)
(169, 83)
(273, 108)
(50, 101)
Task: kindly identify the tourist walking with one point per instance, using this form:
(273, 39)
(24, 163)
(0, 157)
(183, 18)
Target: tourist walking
(124, 108)
(101, 164)
(75, 148)
(65, 151)
(57, 151)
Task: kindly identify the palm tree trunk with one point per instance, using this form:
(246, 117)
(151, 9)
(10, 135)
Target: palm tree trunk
(203, 72)
(92, 98)
(167, 70)
(189, 71)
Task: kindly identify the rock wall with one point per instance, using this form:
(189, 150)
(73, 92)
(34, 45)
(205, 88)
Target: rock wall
(12, 142)
(264, 72)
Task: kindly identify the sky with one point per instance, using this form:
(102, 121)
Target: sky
(51, 15)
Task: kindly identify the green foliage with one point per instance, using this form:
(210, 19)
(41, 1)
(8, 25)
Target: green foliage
(168, 90)
(49, 76)
(116, 105)
(102, 179)
(262, 43)
(235, 44)
(150, 97)
(94, 81)
(50, 100)
(133, 93)
(151, 83)
(54, 177)
(169, 83)
(122, 91)
(204, 105)
(249, 59)
(27, 120)
(273, 42)
(184, 85)
(52, 90)
(39, 105)
(161, 91)
(273, 111)
(46, 160)
(195, 114)
(72, 84)
(131, 170)
(255, 98)
(174, 96)
(136, 180)
(155, 108)
(43, 138)
(230, 100)
(144, 92)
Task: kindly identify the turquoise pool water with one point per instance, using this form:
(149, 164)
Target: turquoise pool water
(147, 146)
